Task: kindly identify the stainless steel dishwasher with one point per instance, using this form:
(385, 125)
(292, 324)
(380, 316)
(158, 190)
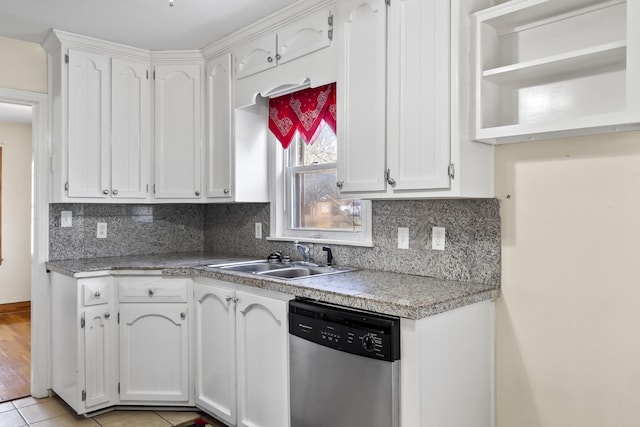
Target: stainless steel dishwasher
(344, 366)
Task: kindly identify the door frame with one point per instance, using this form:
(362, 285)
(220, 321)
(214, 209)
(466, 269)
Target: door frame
(40, 335)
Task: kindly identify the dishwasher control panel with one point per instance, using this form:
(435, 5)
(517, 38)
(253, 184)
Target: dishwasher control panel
(353, 331)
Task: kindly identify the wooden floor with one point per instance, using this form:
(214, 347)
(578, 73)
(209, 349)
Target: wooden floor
(15, 350)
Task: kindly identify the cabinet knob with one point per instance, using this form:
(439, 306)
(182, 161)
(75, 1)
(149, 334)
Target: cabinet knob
(227, 299)
(183, 315)
(278, 56)
(269, 59)
(339, 184)
(105, 192)
(225, 191)
(115, 192)
(150, 292)
(107, 315)
(197, 193)
(97, 294)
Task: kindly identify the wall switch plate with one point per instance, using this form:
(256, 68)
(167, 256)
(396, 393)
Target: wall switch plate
(101, 232)
(438, 238)
(403, 238)
(65, 219)
(258, 230)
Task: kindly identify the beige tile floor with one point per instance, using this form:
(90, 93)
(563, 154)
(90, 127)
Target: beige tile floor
(53, 412)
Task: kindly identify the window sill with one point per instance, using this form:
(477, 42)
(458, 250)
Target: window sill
(364, 244)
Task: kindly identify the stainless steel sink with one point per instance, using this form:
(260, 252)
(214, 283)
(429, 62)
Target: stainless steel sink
(282, 270)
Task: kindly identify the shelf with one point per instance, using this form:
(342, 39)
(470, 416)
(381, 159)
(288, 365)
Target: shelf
(540, 69)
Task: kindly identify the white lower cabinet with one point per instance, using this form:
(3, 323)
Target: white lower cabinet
(242, 357)
(154, 340)
(83, 342)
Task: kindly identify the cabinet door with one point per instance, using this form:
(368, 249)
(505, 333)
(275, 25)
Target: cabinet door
(215, 351)
(255, 56)
(88, 125)
(418, 142)
(304, 36)
(154, 351)
(130, 129)
(177, 131)
(219, 153)
(361, 87)
(100, 357)
(263, 361)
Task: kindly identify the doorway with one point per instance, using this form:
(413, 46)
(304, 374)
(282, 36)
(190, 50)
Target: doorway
(39, 248)
(16, 218)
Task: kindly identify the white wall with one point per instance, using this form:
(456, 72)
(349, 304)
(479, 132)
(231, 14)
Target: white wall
(23, 65)
(15, 271)
(568, 321)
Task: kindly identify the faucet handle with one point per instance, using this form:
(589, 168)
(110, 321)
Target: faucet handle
(327, 249)
(275, 257)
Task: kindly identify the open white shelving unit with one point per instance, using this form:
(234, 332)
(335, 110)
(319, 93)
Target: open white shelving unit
(554, 68)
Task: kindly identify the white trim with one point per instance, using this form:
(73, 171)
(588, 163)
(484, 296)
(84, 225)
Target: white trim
(40, 334)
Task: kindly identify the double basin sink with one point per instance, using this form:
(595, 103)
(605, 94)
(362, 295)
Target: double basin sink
(281, 270)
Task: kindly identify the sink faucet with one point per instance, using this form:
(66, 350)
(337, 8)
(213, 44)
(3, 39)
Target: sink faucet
(304, 251)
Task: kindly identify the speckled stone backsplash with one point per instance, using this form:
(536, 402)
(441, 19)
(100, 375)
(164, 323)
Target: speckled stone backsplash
(131, 230)
(472, 251)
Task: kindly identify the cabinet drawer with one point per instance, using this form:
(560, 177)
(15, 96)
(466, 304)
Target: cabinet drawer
(96, 292)
(152, 290)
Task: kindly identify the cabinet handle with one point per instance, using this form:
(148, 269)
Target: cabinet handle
(197, 193)
(339, 184)
(227, 299)
(225, 191)
(387, 176)
(107, 315)
(235, 300)
(115, 192)
(278, 56)
(269, 59)
(150, 292)
(105, 192)
(183, 315)
(97, 294)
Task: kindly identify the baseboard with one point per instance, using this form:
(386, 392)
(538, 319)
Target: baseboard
(15, 307)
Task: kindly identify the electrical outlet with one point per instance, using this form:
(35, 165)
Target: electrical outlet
(438, 238)
(101, 232)
(403, 238)
(65, 219)
(258, 230)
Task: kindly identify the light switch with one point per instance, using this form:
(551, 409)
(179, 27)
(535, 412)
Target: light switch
(403, 238)
(65, 219)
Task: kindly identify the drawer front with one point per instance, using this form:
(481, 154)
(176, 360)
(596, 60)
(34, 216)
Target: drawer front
(96, 291)
(152, 290)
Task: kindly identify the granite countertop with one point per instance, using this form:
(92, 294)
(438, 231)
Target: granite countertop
(403, 295)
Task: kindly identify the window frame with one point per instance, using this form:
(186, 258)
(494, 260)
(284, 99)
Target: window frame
(280, 200)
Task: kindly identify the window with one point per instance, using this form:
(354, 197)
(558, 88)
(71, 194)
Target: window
(306, 204)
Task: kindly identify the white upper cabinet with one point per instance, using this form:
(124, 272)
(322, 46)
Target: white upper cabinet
(87, 124)
(177, 131)
(361, 95)
(219, 124)
(402, 101)
(418, 98)
(290, 42)
(256, 56)
(130, 129)
(553, 68)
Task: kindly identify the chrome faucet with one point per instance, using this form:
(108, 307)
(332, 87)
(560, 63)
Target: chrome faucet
(304, 251)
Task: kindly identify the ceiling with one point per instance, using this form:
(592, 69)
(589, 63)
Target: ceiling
(146, 24)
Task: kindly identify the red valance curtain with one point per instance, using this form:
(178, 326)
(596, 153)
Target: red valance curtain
(302, 111)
